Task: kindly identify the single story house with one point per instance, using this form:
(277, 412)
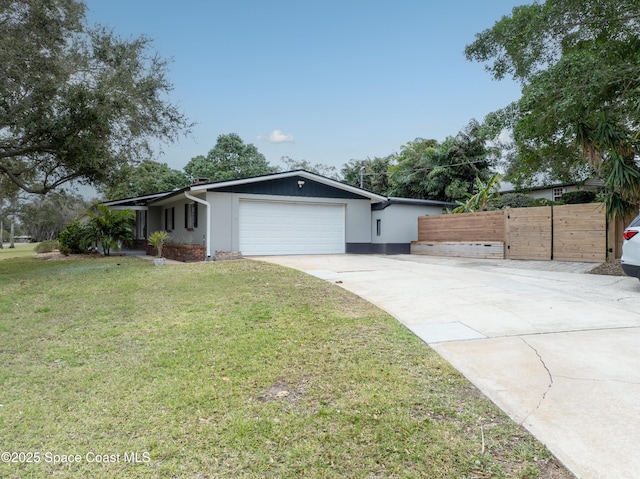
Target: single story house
(295, 212)
(552, 191)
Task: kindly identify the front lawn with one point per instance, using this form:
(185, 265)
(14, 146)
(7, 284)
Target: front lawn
(20, 250)
(115, 368)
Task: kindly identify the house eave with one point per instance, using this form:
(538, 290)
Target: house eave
(136, 200)
(375, 198)
(159, 199)
(392, 200)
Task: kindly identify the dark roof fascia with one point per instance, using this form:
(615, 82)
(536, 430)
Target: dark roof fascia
(374, 197)
(411, 201)
(144, 199)
(213, 186)
(171, 194)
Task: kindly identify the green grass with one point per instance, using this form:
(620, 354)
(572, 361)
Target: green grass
(233, 369)
(21, 250)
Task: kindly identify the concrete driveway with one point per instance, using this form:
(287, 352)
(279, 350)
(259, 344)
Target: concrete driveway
(557, 349)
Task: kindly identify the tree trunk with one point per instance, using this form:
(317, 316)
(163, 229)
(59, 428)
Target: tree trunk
(11, 245)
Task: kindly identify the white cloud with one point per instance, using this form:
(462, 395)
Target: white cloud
(277, 136)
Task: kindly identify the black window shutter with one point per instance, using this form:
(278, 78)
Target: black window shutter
(173, 218)
(186, 215)
(195, 215)
(166, 219)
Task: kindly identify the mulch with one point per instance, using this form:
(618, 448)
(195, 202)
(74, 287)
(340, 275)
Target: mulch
(58, 256)
(610, 268)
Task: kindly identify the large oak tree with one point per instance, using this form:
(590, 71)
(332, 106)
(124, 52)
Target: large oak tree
(579, 65)
(229, 159)
(143, 179)
(76, 103)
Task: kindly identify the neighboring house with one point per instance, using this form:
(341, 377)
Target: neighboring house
(296, 212)
(553, 191)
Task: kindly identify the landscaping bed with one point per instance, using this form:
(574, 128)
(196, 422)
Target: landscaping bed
(611, 268)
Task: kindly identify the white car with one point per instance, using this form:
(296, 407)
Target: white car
(631, 249)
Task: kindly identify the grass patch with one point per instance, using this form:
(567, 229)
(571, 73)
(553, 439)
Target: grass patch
(234, 369)
(21, 250)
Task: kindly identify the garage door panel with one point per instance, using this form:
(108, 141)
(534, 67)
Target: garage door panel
(268, 228)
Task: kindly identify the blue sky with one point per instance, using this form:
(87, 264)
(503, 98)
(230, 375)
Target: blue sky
(325, 81)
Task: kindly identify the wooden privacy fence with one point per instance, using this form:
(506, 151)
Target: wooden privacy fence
(565, 233)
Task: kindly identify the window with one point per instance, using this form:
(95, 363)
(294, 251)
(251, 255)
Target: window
(170, 219)
(557, 193)
(141, 221)
(378, 227)
(191, 215)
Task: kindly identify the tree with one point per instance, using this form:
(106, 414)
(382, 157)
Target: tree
(46, 216)
(374, 173)
(443, 171)
(320, 169)
(579, 66)
(146, 178)
(9, 198)
(229, 159)
(76, 102)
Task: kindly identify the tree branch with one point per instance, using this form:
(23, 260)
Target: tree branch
(25, 150)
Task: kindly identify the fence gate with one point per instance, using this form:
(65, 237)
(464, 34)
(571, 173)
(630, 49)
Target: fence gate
(580, 233)
(528, 233)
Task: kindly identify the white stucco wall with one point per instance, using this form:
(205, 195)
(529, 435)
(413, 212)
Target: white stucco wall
(221, 222)
(179, 233)
(548, 192)
(226, 206)
(153, 219)
(399, 223)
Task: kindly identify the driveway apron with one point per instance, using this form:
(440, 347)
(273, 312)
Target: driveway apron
(556, 349)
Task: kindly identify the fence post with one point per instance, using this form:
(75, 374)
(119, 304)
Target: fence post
(552, 235)
(507, 232)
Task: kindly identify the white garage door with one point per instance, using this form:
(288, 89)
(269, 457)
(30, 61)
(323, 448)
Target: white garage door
(272, 228)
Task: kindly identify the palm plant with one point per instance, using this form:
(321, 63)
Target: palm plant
(480, 200)
(610, 146)
(157, 240)
(110, 228)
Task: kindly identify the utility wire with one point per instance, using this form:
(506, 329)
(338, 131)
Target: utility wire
(386, 173)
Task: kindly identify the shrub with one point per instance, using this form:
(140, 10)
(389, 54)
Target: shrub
(157, 240)
(543, 202)
(514, 200)
(74, 239)
(109, 228)
(520, 200)
(46, 246)
(578, 197)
